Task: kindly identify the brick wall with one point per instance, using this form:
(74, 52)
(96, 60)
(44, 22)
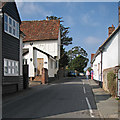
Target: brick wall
(105, 72)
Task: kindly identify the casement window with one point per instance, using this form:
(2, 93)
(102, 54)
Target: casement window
(10, 68)
(11, 26)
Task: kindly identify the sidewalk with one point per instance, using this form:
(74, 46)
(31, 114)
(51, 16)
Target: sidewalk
(107, 105)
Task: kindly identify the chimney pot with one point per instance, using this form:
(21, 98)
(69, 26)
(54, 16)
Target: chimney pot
(47, 18)
(110, 30)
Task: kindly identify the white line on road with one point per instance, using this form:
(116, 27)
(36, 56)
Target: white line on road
(84, 90)
(89, 106)
(83, 83)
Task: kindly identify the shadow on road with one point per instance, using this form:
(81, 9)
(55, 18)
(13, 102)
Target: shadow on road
(63, 98)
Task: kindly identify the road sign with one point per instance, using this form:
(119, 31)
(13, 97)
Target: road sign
(119, 74)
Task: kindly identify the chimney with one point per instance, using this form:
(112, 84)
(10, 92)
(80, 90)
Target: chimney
(92, 55)
(47, 18)
(110, 30)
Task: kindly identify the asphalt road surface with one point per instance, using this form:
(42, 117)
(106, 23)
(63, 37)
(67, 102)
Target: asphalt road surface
(66, 98)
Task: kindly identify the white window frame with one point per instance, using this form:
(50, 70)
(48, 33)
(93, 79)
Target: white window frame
(11, 67)
(9, 25)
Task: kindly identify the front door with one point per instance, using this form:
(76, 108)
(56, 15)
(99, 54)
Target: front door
(39, 65)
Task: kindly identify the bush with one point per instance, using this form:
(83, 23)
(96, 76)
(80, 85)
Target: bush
(112, 83)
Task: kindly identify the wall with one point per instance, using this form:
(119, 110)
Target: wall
(51, 70)
(10, 50)
(97, 74)
(48, 46)
(110, 53)
(119, 48)
(51, 47)
(1, 62)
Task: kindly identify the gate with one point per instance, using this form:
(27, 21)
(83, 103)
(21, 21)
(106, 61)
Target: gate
(25, 77)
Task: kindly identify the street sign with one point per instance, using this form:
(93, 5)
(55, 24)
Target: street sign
(119, 74)
(118, 87)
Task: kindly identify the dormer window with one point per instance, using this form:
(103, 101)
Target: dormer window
(11, 26)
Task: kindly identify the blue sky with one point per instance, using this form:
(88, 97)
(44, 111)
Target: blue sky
(88, 21)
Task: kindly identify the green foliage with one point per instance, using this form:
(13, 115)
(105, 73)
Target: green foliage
(78, 63)
(78, 59)
(111, 83)
(65, 41)
(64, 59)
(76, 51)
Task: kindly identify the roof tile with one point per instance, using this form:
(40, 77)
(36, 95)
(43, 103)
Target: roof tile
(40, 30)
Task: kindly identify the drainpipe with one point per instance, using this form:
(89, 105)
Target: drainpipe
(101, 64)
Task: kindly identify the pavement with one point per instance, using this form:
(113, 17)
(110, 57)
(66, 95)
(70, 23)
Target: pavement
(107, 105)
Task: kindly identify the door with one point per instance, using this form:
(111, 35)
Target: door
(39, 65)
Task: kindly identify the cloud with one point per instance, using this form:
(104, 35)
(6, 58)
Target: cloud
(87, 19)
(90, 40)
(69, 21)
(30, 8)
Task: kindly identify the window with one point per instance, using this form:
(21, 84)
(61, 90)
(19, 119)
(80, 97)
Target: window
(11, 26)
(10, 67)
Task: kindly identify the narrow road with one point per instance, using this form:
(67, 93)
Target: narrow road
(68, 98)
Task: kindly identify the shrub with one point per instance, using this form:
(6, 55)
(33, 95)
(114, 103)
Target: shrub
(111, 83)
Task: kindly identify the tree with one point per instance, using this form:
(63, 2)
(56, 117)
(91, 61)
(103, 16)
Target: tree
(76, 51)
(79, 63)
(65, 41)
(78, 58)
(64, 60)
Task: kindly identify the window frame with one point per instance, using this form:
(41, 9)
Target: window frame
(16, 27)
(12, 65)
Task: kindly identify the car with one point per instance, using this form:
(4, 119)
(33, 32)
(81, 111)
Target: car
(71, 74)
(81, 74)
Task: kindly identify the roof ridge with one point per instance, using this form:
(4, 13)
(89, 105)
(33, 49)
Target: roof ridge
(38, 20)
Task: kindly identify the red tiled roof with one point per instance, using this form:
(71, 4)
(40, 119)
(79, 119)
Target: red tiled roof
(40, 30)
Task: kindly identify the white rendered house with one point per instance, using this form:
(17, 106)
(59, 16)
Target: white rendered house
(42, 45)
(108, 54)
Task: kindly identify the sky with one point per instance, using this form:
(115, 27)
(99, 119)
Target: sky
(88, 21)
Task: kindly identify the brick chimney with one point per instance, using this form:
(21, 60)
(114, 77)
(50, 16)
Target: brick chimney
(92, 55)
(110, 30)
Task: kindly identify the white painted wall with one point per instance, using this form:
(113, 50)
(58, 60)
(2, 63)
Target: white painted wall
(51, 68)
(51, 47)
(110, 53)
(119, 48)
(48, 46)
(97, 74)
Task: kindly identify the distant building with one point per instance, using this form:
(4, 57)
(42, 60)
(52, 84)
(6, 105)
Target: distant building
(42, 43)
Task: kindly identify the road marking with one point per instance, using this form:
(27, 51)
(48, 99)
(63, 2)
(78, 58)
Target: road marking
(83, 83)
(84, 90)
(89, 106)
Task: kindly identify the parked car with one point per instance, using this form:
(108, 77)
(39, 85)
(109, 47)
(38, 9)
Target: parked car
(72, 74)
(81, 74)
